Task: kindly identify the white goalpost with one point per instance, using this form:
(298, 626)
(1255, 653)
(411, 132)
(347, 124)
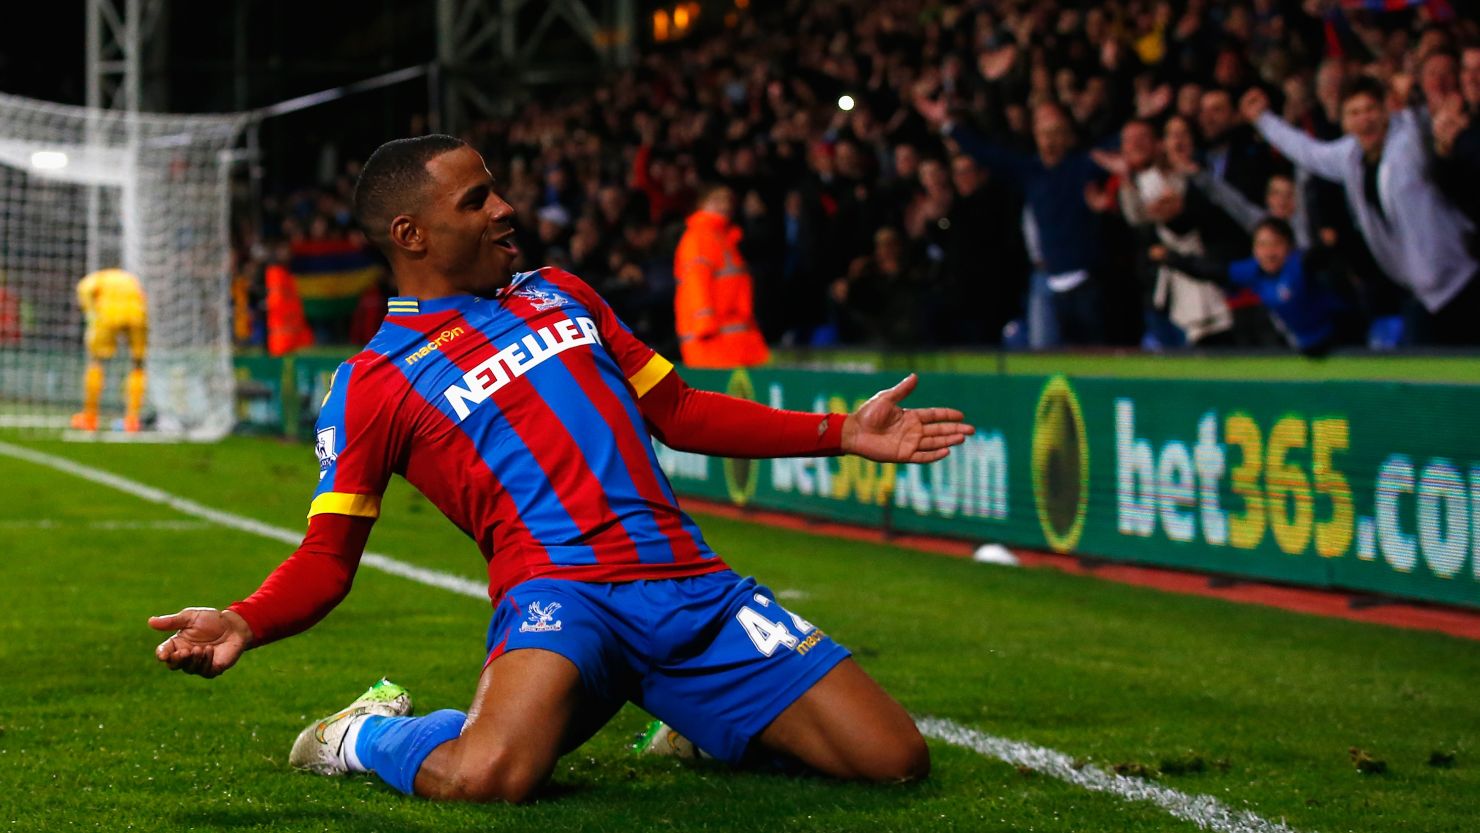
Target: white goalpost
(84, 189)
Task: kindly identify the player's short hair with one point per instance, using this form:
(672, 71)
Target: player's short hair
(392, 181)
(1363, 85)
(1277, 226)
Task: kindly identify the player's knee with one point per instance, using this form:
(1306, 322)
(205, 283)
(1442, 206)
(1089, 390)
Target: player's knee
(907, 759)
(502, 776)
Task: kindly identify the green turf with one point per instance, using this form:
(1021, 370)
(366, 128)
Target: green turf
(94, 735)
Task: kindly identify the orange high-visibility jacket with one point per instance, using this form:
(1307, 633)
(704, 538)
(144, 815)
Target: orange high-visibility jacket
(713, 306)
(287, 329)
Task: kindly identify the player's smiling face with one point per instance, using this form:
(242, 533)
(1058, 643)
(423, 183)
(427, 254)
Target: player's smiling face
(468, 226)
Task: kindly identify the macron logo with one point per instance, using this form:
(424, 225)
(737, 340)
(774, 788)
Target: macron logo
(518, 359)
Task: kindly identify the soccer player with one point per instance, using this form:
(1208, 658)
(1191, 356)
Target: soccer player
(113, 304)
(522, 408)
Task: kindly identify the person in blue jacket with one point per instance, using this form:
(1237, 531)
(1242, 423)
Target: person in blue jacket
(1292, 283)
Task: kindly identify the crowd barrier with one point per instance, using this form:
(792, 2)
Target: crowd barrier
(1363, 486)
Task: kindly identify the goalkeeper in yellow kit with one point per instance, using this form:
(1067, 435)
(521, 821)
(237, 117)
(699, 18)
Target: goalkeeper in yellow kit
(113, 303)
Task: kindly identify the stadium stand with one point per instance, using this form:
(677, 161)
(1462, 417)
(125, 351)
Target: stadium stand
(997, 172)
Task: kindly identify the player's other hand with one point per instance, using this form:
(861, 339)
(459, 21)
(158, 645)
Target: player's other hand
(883, 431)
(206, 641)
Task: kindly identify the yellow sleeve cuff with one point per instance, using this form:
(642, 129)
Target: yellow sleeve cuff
(339, 503)
(651, 374)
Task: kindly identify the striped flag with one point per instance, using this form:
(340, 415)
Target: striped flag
(332, 275)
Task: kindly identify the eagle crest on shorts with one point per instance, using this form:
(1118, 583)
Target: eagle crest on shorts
(541, 618)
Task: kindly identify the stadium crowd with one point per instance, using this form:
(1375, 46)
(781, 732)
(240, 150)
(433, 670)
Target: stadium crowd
(1026, 173)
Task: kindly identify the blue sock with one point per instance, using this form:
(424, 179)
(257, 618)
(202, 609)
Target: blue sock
(394, 747)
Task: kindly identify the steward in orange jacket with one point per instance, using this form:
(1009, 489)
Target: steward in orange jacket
(287, 329)
(713, 306)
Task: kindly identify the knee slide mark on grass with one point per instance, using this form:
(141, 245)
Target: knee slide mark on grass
(1204, 811)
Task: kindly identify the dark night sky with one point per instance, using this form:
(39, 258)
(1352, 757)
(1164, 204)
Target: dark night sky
(292, 47)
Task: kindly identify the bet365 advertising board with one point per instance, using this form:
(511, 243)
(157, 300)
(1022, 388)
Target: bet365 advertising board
(1357, 485)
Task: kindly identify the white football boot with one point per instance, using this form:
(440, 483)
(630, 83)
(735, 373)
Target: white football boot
(320, 747)
(660, 739)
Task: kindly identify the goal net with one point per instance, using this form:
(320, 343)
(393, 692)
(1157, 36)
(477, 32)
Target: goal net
(82, 190)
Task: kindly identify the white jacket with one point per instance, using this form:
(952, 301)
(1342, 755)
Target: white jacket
(1198, 308)
(1422, 242)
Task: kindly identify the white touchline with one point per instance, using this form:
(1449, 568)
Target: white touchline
(53, 523)
(384, 563)
(1204, 811)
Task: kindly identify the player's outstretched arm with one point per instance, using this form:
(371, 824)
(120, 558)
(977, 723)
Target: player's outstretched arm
(300, 592)
(713, 423)
(881, 430)
(206, 641)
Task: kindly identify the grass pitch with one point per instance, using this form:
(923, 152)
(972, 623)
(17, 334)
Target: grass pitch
(1259, 708)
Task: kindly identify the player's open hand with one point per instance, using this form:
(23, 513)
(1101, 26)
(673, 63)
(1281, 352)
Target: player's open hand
(206, 641)
(883, 431)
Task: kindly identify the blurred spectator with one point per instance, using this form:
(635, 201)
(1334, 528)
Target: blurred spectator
(882, 297)
(604, 178)
(552, 229)
(897, 190)
(931, 237)
(1290, 281)
(1282, 200)
(660, 179)
(1455, 129)
(986, 267)
(1063, 235)
(1151, 196)
(1230, 152)
(1418, 237)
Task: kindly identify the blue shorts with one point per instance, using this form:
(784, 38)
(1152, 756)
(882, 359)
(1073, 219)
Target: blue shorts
(714, 656)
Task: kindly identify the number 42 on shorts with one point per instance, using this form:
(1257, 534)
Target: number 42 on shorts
(769, 634)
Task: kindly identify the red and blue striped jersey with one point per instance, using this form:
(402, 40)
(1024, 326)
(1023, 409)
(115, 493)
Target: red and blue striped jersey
(516, 416)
